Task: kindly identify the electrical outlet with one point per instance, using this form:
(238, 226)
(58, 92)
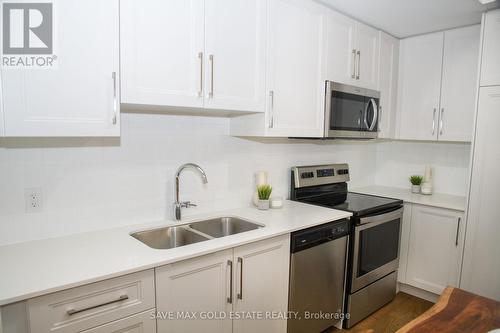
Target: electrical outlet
(33, 200)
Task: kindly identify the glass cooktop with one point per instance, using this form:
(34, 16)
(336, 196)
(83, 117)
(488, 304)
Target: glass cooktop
(356, 203)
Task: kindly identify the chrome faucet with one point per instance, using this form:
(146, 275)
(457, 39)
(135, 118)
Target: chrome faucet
(178, 205)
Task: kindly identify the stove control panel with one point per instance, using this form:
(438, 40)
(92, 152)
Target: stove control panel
(320, 175)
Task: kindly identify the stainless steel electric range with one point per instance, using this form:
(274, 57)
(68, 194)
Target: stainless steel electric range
(373, 255)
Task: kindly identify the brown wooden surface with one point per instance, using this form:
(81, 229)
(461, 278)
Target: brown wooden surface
(392, 316)
(457, 311)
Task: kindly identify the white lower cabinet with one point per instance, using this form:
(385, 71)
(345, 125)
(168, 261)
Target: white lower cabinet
(435, 247)
(140, 323)
(262, 273)
(79, 309)
(229, 284)
(199, 285)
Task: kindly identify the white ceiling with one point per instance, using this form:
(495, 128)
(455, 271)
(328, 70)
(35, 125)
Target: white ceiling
(403, 18)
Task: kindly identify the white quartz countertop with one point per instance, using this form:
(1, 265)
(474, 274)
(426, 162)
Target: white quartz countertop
(436, 200)
(40, 267)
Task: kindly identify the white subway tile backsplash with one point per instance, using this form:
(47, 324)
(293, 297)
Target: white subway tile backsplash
(100, 183)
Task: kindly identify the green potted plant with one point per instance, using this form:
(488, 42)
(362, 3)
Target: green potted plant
(416, 181)
(264, 192)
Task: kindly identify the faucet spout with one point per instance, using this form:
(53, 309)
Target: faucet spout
(177, 204)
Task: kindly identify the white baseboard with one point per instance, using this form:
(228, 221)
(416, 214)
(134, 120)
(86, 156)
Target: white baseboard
(417, 292)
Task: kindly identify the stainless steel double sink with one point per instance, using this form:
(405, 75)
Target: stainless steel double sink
(199, 231)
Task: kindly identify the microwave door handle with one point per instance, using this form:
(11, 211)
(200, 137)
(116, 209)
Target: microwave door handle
(365, 119)
(375, 114)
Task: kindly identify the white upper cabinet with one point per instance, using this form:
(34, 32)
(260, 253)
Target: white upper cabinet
(388, 85)
(459, 83)
(80, 95)
(435, 247)
(367, 51)
(162, 48)
(419, 86)
(341, 50)
(352, 51)
(438, 76)
(296, 75)
(490, 72)
(194, 53)
(235, 35)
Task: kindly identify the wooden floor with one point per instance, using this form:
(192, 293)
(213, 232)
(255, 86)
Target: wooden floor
(403, 309)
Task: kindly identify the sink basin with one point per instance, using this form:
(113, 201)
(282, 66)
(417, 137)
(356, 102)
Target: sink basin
(224, 226)
(168, 238)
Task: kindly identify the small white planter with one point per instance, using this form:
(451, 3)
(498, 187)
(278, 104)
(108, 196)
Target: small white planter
(263, 204)
(415, 189)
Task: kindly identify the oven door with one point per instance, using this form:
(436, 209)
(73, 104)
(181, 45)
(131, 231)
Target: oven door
(376, 248)
(350, 112)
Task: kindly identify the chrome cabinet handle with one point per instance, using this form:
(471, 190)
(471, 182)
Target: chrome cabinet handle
(353, 64)
(211, 60)
(115, 101)
(271, 109)
(434, 121)
(240, 262)
(71, 312)
(441, 122)
(200, 91)
(458, 228)
(230, 298)
(359, 65)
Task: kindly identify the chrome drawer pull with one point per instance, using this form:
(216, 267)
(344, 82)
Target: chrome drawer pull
(73, 311)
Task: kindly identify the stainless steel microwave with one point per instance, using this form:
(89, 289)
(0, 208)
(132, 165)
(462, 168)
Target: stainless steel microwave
(351, 112)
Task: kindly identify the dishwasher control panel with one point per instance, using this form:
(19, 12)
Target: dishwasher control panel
(304, 239)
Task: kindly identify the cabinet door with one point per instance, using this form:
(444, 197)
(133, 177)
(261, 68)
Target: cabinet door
(388, 84)
(79, 96)
(367, 46)
(297, 68)
(200, 285)
(341, 53)
(490, 67)
(162, 45)
(235, 54)
(140, 323)
(419, 86)
(459, 83)
(481, 271)
(436, 242)
(261, 277)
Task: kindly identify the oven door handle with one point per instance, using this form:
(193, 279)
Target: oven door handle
(372, 221)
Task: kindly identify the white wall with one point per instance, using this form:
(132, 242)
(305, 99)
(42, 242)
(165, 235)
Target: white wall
(397, 160)
(91, 184)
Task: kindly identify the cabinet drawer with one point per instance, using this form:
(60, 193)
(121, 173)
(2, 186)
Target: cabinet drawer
(91, 305)
(143, 322)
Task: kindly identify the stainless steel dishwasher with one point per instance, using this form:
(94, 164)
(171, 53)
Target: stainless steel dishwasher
(317, 276)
